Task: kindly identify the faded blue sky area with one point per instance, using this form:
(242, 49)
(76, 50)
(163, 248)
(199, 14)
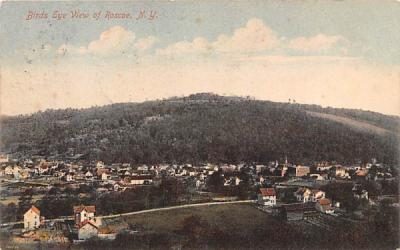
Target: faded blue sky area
(331, 53)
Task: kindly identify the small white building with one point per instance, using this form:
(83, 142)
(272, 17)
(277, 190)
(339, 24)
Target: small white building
(32, 218)
(83, 213)
(105, 176)
(309, 195)
(8, 170)
(237, 181)
(87, 229)
(267, 197)
(69, 177)
(88, 175)
(341, 172)
(141, 180)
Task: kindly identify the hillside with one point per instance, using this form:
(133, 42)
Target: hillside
(205, 127)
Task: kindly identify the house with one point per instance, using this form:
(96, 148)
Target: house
(324, 166)
(141, 180)
(341, 172)
(199, 183)
(143, 168)
(237, 181)
(88, 175)
(16, 172)
(267, 197)
(69, 177)
(32, 218)
(43, 168)
(302, 171)
(105, 176)
(8, 170)
(309, 195)
(100, 171)
(99, 164)
(87, 229)
(324, 206)
(296, 211)
(24, 174)
(83, 213)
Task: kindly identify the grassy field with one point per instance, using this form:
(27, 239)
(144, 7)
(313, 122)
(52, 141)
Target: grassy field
(15, 199)
(227, 226)
(229, 217)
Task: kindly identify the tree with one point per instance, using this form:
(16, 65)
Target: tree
(194, 229)
(25, 202)
(215, 182)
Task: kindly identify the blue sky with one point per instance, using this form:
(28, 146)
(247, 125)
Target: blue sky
(343, 53)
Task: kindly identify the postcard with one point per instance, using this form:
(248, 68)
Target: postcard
(183, 124)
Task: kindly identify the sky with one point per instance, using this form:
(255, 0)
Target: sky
(342, 54)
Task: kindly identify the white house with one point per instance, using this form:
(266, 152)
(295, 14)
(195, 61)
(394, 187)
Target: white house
(83, 213)
(309, 195)
(267, 197)
(237, 181)
(88, 175)
(87, 229)
(8, 170)
(69, 177)
(105, 176)
(198, 183)
(99, 164)
(32, 218)
(341, 172)
(141, 180)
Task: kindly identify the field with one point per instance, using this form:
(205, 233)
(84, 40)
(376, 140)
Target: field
(216, 226)
(15, 199)
(354, 124)
(229, 217)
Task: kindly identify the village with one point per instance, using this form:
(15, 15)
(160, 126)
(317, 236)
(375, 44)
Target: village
(317, 195)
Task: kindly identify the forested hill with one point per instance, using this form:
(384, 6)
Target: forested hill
(205, 128)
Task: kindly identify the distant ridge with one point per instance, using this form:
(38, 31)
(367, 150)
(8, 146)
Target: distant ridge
(205, 127)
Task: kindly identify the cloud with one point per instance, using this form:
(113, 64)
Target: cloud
(319, 42)
(146, 43)
(253, 37)
(256, 37)
(114, 40)
(284, 59)
(198, 45)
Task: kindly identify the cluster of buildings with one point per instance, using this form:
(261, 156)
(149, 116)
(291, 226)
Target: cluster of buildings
(85, 225)
(306, 198)
(126, 175)
(274, 181)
